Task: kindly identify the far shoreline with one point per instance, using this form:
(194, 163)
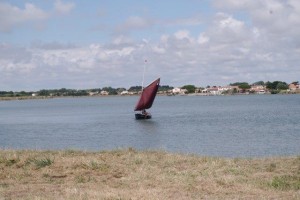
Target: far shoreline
(137, 95)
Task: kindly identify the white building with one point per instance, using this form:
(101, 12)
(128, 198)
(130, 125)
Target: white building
(179, 91)
(104, 92)
(176, 90)
(125, 92)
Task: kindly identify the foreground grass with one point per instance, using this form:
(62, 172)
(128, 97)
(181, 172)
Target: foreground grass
(131, 174)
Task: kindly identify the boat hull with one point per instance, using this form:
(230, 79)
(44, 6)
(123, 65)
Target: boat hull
(142, 116)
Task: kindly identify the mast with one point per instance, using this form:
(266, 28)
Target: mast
(144, 74)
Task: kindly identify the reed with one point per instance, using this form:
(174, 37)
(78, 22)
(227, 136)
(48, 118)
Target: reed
(132, 174)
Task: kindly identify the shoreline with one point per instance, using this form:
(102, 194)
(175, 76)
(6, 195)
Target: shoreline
(133, 174)
(58, 97)
(105, 96)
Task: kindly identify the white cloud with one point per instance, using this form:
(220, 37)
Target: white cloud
(213, 61)
(158, 49)
(202, 39)
(261, 44)
(164, 38)
(275, 17)
(182, 34)
(15, 59)
(63, 8)
(12, 16)
(229, 22)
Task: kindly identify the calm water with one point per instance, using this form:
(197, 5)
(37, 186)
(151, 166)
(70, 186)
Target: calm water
(229, 126)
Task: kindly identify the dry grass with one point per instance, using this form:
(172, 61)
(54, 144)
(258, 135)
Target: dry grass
(131, 174)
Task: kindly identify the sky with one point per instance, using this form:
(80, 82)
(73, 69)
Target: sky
(54, 44)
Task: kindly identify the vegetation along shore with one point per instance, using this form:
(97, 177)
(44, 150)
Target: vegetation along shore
(260, 87)
(132, 174)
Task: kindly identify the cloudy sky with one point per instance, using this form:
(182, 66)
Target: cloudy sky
(52, 44)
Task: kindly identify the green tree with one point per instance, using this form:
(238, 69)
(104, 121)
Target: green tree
(165, 88)
(81, 93)
(282, 86)
(277, 85)
(259, 83)
(6, 94)
(119, 90)
(238, 83)
(110, 90)
(244, 86)
(135, 88)
(189, 88)
(95, 90)
(63, 90)
(43, 93)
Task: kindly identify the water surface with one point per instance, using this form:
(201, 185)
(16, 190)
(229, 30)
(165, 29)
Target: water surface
(229, 126)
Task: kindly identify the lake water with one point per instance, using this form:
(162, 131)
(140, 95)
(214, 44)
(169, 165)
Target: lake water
(227, 126)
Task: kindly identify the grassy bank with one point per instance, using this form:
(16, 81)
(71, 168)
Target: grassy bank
(131, 174)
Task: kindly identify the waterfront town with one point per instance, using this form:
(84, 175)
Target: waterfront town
(260, 87)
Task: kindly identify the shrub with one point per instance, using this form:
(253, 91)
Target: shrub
(43, 162)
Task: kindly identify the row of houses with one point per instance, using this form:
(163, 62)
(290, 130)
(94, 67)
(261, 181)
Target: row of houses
(215, 90)
(105, 93)
(219, 90)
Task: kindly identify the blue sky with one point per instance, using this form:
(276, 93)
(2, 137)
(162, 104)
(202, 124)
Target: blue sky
(92, 44)
(99, 21)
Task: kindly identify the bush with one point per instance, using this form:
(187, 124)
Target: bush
(40, 163)
(286, 182)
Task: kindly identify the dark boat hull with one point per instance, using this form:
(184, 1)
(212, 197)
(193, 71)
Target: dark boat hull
(142, 116)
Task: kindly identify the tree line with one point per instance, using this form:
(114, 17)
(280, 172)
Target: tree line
(74, 92)
(274, 87)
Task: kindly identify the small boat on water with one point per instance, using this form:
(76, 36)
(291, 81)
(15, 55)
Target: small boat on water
(146, 100)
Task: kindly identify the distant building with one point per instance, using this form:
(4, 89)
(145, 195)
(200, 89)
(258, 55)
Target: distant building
(294, 86)
(213, 90)
(259, 89)
(93, 93)
(176, 90)
(124, 92)
(261, 92)
(179, 91)
(103, 92)
(224, 88)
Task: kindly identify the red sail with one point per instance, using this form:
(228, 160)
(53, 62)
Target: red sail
(147, 96)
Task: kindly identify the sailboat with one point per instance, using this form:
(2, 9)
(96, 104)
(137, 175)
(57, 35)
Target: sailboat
(146, 100)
